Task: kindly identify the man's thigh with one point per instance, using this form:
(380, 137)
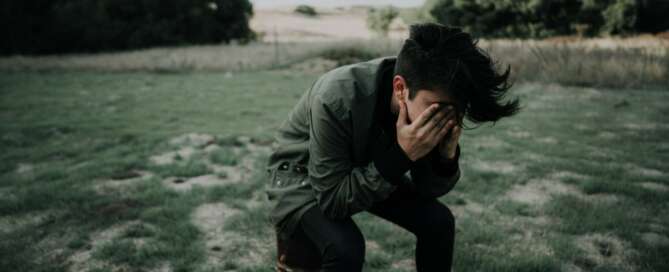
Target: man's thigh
(413, 212)
(328, 233)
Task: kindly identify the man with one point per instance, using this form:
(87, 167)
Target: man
(382, 136)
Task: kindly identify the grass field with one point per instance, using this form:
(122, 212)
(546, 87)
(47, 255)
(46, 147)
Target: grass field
(164, 172)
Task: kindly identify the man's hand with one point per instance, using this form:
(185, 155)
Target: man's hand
(448, 146)
(420, 137)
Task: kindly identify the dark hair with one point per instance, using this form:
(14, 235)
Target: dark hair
(439, 57)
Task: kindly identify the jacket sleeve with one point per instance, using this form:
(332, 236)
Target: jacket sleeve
(434, 176)
(342, 189)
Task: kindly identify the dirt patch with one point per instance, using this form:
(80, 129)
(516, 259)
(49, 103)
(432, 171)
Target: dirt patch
(185, 184)
(82, 259)
(469, 208)
(590, 93)
(184, 153)
(640, 126)
(490, 142)
(373, 248)
(519, 134)
(258, 200)
(247, 151)
(502, 167)
(210, 217)
(654, 186)
(604, 249)
(539, 191)
(563, 175)
(10, 224)
(193, 139)
(105, 186)
(534, 157)
(224, 245)
(643, 171)
(547, 140)
(408, 264)
(23, 168)
(655, 239)
(607, 135)
(581, 127)
(529, 242)
(657, 227)
(526, 235)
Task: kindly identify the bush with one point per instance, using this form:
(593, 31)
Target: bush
(543, 18)
(348, 55)
(306, 10)
(46, 27)
(620, 17)
(378, 20)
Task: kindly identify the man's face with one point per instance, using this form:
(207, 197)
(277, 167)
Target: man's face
(423, 99)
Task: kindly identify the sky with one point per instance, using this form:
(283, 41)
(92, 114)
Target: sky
(333, 3)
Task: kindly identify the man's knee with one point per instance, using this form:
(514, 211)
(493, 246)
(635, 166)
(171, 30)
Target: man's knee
(348, 255)
(438, 220)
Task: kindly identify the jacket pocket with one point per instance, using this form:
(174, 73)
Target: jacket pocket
(286, 176)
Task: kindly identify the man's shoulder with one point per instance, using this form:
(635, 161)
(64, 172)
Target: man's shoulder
(344, 84)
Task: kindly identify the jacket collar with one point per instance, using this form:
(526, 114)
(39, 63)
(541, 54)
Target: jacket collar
(383, 85)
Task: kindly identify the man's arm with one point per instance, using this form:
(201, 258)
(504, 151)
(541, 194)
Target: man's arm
(341, 189)
(434, 175)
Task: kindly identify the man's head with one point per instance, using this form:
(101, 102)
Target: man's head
(443, 64)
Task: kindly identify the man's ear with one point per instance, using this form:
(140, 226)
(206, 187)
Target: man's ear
(399, 87)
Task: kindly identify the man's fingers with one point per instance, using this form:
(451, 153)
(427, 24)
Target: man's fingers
(438, 121)
(424, 116)
(402, 118)
(441, 133)
(457, 132)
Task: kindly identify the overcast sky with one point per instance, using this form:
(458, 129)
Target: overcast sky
(331, 3)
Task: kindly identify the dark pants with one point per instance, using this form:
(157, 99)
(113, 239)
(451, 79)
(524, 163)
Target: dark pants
(342, 245)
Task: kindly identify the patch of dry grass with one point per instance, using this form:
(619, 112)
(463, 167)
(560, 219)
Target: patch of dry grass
(612, 62)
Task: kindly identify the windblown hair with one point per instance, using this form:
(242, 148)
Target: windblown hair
(444, 58)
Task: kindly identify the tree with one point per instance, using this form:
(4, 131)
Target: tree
(62, 26)
(543, 18)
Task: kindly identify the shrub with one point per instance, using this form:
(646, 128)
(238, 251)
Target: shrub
(378, 20)
(306, 10)
(47, 27)
(543, 18)
(348, 55)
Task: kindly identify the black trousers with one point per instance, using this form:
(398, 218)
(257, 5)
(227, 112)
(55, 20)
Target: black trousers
(342, 245)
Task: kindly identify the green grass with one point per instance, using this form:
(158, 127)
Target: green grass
(224, 156)
(78, 129)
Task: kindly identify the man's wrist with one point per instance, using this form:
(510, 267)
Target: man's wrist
(391, 161)
(450, 157)
(445, 166)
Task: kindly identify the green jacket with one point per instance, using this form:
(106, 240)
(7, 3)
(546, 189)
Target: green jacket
(332, 150)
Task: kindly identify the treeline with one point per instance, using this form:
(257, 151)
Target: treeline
(544, 18)
(61, 26)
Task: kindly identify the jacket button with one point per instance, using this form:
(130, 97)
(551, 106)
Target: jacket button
(283, 166)
(300, 169)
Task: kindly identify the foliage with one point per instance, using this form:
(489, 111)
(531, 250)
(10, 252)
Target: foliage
(306, 10)
(379, 19)
(46, 27)
(543, 18)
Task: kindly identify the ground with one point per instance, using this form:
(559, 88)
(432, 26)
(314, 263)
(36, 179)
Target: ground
(164, 172)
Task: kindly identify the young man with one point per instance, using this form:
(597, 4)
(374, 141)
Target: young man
(382, 136)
